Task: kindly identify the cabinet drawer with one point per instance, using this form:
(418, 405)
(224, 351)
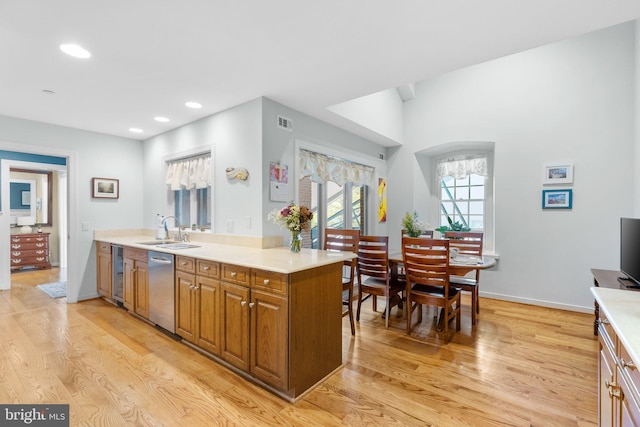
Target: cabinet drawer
(235, 274)
(135, 253)
(606, 329)
(207, 268)
(185, 264)
(103, 247)
(630, 369)
(269, 281)
(30, 238)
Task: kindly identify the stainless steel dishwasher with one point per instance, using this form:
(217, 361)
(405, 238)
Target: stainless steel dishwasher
(162, 294)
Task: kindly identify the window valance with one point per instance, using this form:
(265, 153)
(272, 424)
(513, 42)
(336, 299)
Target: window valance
(185, 174)
(329, 168)
(461, 166)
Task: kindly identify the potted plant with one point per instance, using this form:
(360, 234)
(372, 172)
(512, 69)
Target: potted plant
(453, 226)
(411, 225)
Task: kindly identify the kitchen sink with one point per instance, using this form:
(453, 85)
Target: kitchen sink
(168, 244)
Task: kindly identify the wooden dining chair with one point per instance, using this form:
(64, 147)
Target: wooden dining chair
(403, 233)
(468, 243)
(374, 274)
(345, 240)
(427, 264)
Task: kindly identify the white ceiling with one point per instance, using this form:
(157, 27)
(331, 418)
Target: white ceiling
(150, 56)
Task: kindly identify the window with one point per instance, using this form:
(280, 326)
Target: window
(462, 200)
(190, 181)
(335, 190)
(465, 196)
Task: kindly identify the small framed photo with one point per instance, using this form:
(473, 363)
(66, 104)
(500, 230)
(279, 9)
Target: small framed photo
(558, 173)
(105, 188)
(557, 199)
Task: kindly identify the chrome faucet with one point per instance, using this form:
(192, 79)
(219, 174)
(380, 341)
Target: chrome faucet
(179, 233)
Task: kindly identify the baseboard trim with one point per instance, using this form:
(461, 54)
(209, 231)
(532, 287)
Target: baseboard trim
(541, 303)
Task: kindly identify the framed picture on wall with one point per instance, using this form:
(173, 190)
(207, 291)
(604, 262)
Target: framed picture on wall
(557, 199)
(558, 173)
(105, 188)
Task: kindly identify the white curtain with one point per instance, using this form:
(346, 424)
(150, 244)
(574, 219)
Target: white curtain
(330, 168)
(185, 174)
(461, 166)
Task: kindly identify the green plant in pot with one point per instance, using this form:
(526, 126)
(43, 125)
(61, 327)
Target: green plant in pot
(453, 226)
(411, 225)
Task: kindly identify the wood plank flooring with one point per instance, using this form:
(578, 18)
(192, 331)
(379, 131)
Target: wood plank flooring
(521, 366)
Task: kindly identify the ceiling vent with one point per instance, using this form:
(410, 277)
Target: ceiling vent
(285, 123)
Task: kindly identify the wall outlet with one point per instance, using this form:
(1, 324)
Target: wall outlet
(85, 226)
(247, 221)
(229, 226)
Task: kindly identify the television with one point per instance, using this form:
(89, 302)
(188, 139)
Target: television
(630, 252)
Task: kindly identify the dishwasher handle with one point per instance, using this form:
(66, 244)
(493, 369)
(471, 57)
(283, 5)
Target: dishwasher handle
(161, 260)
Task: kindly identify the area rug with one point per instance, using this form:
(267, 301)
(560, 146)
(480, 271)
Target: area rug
(54, 290)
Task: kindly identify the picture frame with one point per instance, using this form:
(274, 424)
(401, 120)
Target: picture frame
(105, 188)
(557, 199)
(557, 173)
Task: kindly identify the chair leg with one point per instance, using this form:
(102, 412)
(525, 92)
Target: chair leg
(473, 306)
(359, 305)
(353, 325)
(375, 303)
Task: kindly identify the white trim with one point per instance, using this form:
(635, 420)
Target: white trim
(75, 271)
(538, 302)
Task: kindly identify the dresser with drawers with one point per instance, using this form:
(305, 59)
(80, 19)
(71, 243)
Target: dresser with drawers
(30, 250)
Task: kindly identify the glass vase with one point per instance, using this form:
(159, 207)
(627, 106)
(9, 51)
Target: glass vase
(296, 241)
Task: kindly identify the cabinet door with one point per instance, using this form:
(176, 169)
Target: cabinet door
(104, 274)
(629, 405)
(269, 338)
(234, 325)
(208, 331)
(142, 289)
(185, 306)
(128, 283)
(606, 376)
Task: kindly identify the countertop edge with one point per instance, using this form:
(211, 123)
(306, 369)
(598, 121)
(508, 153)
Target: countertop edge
(280, 260)
(622, 308)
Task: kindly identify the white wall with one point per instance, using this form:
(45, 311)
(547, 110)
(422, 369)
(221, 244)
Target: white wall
(235, 138)
(380, 112)
(279, 145)
(569, 101)
(91, 155)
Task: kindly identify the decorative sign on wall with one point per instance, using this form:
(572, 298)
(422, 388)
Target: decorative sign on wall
(278, 182)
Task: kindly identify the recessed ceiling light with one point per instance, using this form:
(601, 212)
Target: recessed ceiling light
(48, 92)
(161, 119)
(135, 130)
(75, 50)
(192, 104)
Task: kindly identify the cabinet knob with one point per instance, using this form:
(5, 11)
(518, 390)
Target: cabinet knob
(234, 274)
(133, 270)
(251, 304)
(628, 364)
(243, 303)
(205, 268)
(266, 281)
(183, 263)
(603, 321)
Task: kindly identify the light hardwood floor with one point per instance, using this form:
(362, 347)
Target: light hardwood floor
(521, 366)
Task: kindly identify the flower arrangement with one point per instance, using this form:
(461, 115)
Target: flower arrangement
(294, 218)
(412, 226)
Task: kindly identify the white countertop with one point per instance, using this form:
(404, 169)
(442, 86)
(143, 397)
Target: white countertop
(622, 308)
(280, 259)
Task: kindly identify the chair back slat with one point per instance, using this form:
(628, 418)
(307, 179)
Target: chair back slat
(373, 256)
(467, 242)
(341, 240)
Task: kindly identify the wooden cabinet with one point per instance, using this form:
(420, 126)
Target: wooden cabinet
(619, 380)
(136, 281)
(197, 303)
(29, 250)
(282, 331)
(103, 266)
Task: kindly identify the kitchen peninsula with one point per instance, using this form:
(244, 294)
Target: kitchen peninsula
(270, 315)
